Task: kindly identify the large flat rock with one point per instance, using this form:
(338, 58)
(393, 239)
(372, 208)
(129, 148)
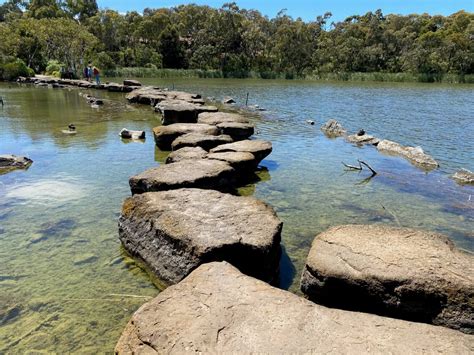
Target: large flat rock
(9, 162)
(220, 117)
(217, 310)
(177, 111)
(260, 149)
(175, 231)
(205, 141)
(202, 173)
(165, 135)
(240, 161)
(415, 155)
(398, 272)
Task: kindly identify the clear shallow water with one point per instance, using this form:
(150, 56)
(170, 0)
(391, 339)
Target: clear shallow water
(66, 286)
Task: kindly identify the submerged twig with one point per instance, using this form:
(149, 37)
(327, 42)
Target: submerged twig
(352, 167)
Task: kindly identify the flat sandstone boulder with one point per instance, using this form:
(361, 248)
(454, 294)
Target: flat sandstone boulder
(205, 141)
(237, 130)
(398, 272)
(177, 111)
(414, 154)
(165, 135)
(186, 153)
(220, 117)
(217, 310)
(240, 161)
(205, 174)
(173, 232)
(260, 149)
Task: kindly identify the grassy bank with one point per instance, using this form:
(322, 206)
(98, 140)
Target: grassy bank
(341, 76)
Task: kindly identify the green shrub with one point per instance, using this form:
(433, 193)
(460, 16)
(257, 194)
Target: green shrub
(53, 66)
(12, 70)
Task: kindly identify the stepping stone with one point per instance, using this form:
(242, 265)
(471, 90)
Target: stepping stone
(175, 231)
(186, 153)
(205, 141)
(165, 135)
(174, 111)
(398, 272)
(11, 162)
(220, 117)
(240, 161)
(203, 173)
(260, 149)
(218, 310)
(130, 82)
(237, 130)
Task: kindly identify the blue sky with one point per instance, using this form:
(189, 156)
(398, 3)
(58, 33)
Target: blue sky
(308, 9)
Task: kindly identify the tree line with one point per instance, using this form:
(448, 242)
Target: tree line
(232, 40)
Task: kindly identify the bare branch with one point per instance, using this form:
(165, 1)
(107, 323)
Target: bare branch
(368, 166)
(352, 167)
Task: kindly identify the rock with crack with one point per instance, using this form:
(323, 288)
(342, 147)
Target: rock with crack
(11, 162)
(165, 135)
(259, 148)
(414, 154)
(202, 173)
(398, 272)
(205, 141)
(333, 128)
(177, 111)
(185, 153)
(173, 232)
(218, 310)
(464, 177)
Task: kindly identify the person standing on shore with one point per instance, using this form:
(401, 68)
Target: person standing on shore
(96, 75)
(89, 71)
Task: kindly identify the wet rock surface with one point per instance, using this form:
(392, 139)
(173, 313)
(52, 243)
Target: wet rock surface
(202, 173)
(218, 310)
(464, 177)
(165, 135)
(240, 161)
(175, 231)
(259, 148)
(9, 162)
(333, 128)
(398, 272)
(414, 154)
(186, 153)
(129, 134)
(205, 141)
(362, 139)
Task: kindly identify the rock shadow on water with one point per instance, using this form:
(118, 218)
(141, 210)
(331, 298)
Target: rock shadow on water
(287, 270)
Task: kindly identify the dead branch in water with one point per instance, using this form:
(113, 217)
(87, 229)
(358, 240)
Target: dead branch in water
(367, 165)
(352, 167)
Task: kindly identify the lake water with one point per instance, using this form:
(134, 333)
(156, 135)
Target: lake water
(65, 283)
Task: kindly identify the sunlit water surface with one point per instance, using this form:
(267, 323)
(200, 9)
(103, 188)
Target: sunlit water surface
(65, 283)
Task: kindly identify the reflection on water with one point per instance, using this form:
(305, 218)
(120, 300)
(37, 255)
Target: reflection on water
(65, 283)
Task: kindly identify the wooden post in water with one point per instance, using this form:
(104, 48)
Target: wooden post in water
(1, 101)
(247, 100)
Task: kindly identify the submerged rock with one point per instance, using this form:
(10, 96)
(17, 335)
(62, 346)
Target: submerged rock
(186, 153)
(165, 135)
(202, 173)
(205, 141)
(129, 134)
(333, 128)
(217, 310)
(175, 231)
(11, 162)
(413, 154)
(464, 177)
(260, 149)
(228, 100)
(398, 272)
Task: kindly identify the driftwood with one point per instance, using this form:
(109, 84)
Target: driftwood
(368, 166)
(352, 167)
